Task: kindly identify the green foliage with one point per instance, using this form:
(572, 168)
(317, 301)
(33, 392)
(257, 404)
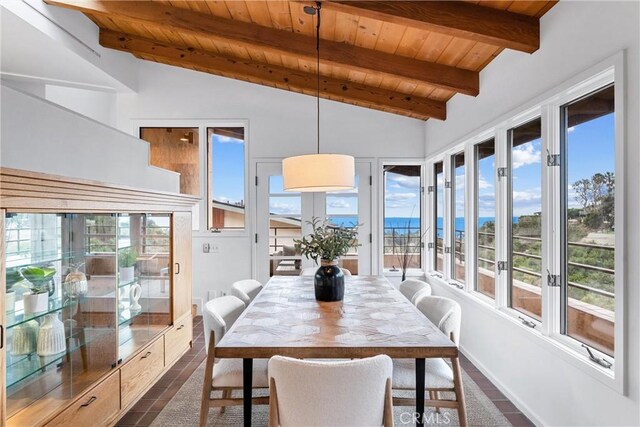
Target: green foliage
(597, 196)
(127, 257)
(39, 277)
(327, 242)
(12, 277)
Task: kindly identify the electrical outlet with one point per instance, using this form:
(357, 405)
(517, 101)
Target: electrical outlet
(206, 248)
(215, 249)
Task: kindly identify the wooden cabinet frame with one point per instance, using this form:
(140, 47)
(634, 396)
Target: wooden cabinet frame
(25, 191)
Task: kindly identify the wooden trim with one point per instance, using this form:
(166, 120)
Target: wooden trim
(3, 352)
(469, 21)
(276, 41)
(26, 191)
(336, 352)
(273, 75)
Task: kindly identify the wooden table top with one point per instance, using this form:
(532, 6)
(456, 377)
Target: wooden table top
(374, 318)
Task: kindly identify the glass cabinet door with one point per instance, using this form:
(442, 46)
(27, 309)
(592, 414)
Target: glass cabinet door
(59, 302)
(143, 279)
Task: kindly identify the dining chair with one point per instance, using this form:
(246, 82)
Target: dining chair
(410, 287)
(446, 314)
(321, 393)
(246, 290)
(225, 375)
(424, 292)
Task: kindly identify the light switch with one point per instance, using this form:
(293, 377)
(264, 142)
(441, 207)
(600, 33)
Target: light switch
(206, 248)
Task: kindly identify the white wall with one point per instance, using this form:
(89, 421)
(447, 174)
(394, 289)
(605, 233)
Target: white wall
(40, 136)
(575, 36)
(280, 124)
(97, 105)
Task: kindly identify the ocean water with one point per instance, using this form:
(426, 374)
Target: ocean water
(400, 223)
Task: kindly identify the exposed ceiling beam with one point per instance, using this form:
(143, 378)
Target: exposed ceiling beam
(281, 42)
(496, 27)
(271, 75)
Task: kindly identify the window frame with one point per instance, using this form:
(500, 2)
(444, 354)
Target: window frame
(424, 208)
(547, 107)
(200, 212)
(453, 210)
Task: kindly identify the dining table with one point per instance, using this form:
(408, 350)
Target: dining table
(373, 318)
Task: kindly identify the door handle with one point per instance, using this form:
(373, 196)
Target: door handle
(177, 268)
(1, 336)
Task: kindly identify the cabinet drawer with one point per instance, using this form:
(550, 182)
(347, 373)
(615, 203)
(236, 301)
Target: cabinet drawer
(138, 373)
(95, 408)
(177, 339)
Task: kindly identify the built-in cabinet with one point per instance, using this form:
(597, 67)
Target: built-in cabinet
(97, 296)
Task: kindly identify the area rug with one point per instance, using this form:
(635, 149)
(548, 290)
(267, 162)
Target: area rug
(184, 409)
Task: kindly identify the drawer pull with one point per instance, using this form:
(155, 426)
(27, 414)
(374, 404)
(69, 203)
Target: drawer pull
(179, 327)
(146, 355)
(89, 402)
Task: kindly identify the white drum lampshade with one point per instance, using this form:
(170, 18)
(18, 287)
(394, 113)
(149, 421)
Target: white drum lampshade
(318, 173)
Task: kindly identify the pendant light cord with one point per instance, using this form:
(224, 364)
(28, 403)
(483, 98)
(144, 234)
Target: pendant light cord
(318, 7)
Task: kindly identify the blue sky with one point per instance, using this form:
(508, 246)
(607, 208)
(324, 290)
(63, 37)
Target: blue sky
(590, 150)
(227, 169)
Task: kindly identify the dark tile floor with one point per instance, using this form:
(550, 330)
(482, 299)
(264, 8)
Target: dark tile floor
(146, 410)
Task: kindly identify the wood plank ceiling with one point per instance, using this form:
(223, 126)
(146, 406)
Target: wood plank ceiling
(403, 57)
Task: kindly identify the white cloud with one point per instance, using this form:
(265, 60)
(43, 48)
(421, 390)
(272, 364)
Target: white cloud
(338, 203)
(396, 197)
(228, 140)
(525, 155)
(571, 129)
(483, 184)
(403, 181)
(283, 209)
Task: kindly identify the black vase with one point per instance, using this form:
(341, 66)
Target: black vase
(329, 282)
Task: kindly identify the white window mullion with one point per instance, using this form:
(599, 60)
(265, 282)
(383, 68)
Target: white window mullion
(501, 228)
(551, 221)
(470, 215)
(447, 264)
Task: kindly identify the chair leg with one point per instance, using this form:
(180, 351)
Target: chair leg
(226, 394)
(459, 390)
(433, 395)
(206, 385)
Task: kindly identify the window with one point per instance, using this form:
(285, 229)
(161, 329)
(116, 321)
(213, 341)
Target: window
(285, 226)
(438, 179)
(341, 209)
(458, 229)
(226, 178)
(402, 217)
(176, 149)
(485, 154)
(525, 213)
(588, 238)
(155, 234)
(100, 234)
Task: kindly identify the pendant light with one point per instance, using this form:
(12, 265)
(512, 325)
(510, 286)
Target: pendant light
(318, 172)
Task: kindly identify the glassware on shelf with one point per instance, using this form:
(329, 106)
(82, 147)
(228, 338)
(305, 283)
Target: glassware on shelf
(75, 283)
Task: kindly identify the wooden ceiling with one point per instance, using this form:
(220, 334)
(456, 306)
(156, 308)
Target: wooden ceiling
(403, 57)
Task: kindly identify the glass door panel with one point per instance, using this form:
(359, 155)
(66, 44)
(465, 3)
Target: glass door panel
(143, 279)
(59, 315)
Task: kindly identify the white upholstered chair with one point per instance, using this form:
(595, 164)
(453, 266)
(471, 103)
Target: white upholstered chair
(446, 314)
(225, 375)
(321, 393)
(410, 287)
(424, 292)
(246, 290)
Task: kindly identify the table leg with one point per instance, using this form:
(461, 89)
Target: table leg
(420, 366)
(247, 389)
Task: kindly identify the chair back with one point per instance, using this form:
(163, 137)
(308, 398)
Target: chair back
(345, 271)
(316, 393)
(246, 290)
(445, 313)
(410, 287)
(424, 292)
(218, 316)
